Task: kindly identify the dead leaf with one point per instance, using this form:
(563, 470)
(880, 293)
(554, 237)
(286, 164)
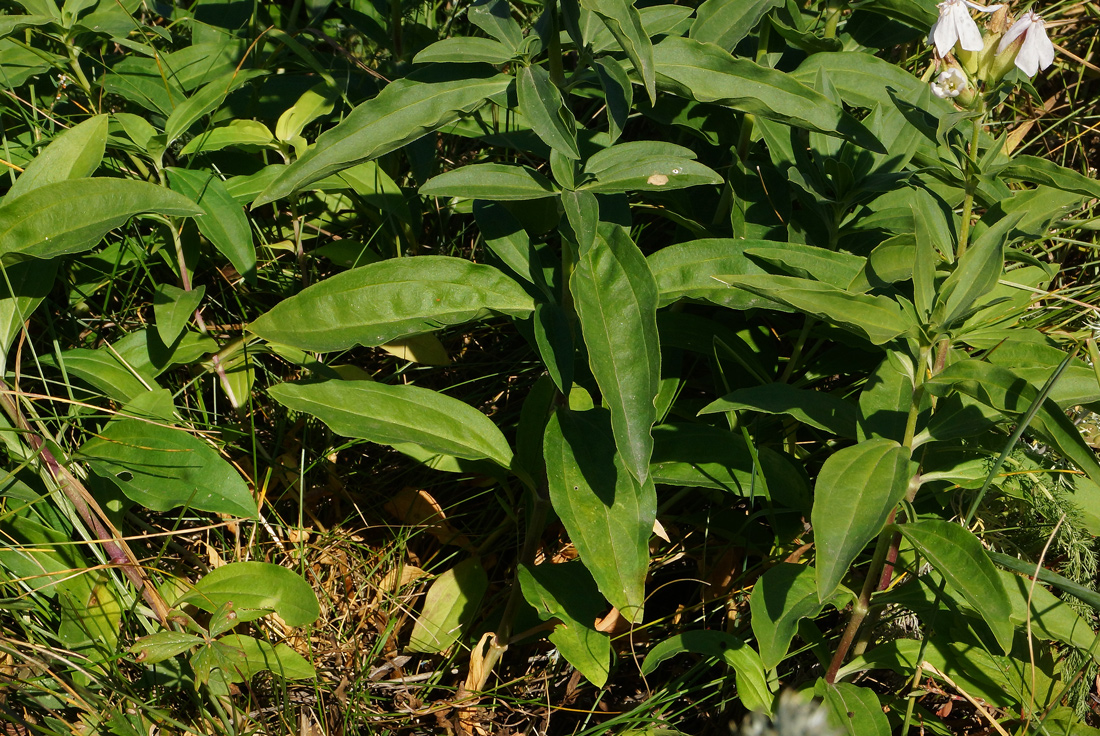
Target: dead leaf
(416, 507)
(423, 349)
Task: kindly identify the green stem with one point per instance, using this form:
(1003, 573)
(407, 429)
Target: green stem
(557, 72)
(832, 19)
(971, 185)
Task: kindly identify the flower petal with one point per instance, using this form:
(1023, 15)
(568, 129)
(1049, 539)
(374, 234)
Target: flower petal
(970, 38)
(1018, 29)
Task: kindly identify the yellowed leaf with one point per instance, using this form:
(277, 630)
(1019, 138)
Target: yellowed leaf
(423, 349)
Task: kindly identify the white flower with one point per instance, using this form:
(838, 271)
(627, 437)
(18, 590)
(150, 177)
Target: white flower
(956, 25)
(949, 84)
(1036, 52)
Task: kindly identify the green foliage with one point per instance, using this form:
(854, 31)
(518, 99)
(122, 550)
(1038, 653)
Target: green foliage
(771, 313)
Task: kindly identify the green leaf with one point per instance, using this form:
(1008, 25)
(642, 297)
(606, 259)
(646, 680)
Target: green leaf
(959, 556)
(783, 596)
(23, 286)
(607, 513)
(392, 415)
(261, 656)
(402, 112)
(856, 490)
(1042, 171)
(832, 267)
(568, 593)
(466, 50)
(707, 73)
(618, 94)
(495, 18)
(311, 105)
(225, 224)
(616, 302)
(977, 271)
(173, 308)
(688, 271)
(163, 467)
(73, 216)
(494, 182)
(725, 22)
(863, 80)
(885, 401)
(1003, 390)
(10, 24)
(555, 343)
(856, 710)
(752, 681)
(624, 23)
(205, 100)
(651, 173)
(876, 318)
(235, 133)
(74, 154)
(164, 645)
(582, 210)
(541, 103)
(452, 600)
(374, 304)
(257, 586)
(102, 369)
(815, 408)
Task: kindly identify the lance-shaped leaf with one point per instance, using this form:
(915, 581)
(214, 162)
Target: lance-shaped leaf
(374, 304)
(582, 210)
(977, 271)
(855, 492)
(465, 50)
(542, 105)
(1001, 389)
(875, 318)
(1041, 171)
(816, 408)
(568, 593)
(495, 18)
(959, 556)
(225, 224)
(725, 22)
(688, 271)
(402, 112)
(654, 174)
(608, 514)
(163, 468)
(707, 73)
(205, 100)
(394, 415)
(806, 261)
(73, 216)
(493, 182)
(74, 154)
(622, 19)
(616, 302)
(618, 94)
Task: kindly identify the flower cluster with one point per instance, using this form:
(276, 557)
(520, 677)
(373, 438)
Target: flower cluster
(955, 33)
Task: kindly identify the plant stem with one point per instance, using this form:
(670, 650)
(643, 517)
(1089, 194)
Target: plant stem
(832, 19)
(971, 184)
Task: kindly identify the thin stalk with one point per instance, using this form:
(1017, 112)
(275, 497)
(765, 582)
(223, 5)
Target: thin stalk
(971, 184)
(557, 71)
(832, 19)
